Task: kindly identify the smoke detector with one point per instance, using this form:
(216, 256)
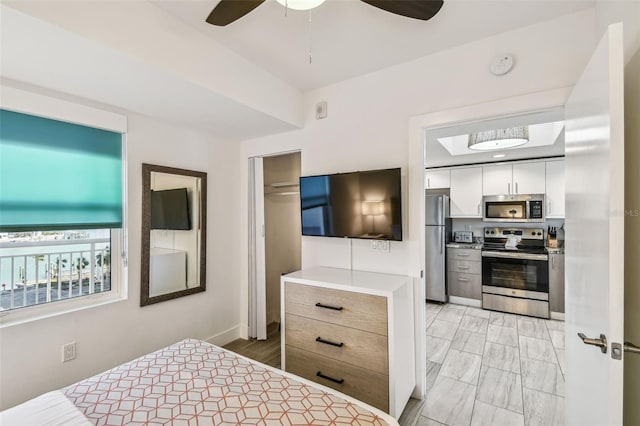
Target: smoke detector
(501, 64)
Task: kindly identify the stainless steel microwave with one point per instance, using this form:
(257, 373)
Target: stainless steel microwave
(513, 208)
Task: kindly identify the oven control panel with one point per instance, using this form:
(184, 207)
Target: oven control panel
(525, 233)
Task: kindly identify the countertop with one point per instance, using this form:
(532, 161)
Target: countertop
(376, 283)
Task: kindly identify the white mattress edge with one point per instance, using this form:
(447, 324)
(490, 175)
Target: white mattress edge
(51, 409)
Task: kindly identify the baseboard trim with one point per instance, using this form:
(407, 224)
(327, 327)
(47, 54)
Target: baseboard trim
(225, 337)
(557, 316)
(464, 301)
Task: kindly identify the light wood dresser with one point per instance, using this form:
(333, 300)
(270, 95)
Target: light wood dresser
(352, 331)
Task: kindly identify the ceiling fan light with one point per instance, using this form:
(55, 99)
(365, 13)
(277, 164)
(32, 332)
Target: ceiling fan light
(499, 139)
(301, 4)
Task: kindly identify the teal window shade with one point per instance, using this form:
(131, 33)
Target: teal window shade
(58, 175)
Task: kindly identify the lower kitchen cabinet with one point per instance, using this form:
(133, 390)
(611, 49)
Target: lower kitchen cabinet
(352, 331)
(464, 273)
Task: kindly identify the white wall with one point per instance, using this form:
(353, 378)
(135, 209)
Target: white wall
(109, 335)
(368, 120)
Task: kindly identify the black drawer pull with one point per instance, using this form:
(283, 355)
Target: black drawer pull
(335, 308)
(327, 342)
(331, 379)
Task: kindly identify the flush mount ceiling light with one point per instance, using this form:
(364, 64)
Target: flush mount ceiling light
(301, 4)
(499, 139)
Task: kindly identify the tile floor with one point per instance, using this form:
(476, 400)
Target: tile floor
(490, 368)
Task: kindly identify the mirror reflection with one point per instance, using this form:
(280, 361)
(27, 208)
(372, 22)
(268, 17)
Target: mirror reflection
(174, 224)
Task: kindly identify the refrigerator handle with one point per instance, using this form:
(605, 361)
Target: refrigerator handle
(444, 209)
(442, 228)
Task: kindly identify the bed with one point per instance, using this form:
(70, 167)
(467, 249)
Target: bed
(194, 383)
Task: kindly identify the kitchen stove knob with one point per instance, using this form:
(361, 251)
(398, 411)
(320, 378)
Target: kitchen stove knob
(533, 233)
(539, 233)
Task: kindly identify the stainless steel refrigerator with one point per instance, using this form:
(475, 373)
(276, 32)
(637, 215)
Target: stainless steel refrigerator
(437, 234)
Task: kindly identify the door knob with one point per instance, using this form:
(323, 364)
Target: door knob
(601, 342)
(630, 347)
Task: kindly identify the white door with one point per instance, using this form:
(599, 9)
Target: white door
(555, 189)
(496, 180)
(257, 267)
(594, 235)
(437, 179)
(528, 178)
(466, 192)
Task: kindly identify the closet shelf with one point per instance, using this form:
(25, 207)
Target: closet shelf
(282, 188)
(283, 193)
(281, 184)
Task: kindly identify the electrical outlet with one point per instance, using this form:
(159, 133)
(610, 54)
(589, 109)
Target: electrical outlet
(380, 245)
(68, 351)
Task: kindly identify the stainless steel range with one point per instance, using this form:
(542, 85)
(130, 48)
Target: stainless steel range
(515, 271)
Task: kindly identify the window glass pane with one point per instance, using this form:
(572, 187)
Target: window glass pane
(46, 266)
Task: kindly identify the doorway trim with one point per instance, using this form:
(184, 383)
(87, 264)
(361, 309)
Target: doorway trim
(418, 126)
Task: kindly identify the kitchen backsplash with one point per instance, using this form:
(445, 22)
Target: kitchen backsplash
(477, 225)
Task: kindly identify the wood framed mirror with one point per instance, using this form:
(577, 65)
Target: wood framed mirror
(174, 225)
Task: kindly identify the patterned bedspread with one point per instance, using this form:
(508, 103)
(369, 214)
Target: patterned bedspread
(196, 383)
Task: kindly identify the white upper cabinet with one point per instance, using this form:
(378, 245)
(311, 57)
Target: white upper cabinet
(466, 192)
(437, 179)
(528, 178)
(517, 178)
(496, 180)
(555, 189)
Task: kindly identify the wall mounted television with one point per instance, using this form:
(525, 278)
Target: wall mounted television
(366, 204)
(170, 210)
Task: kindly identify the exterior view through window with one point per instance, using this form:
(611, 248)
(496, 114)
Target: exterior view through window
(46, 266)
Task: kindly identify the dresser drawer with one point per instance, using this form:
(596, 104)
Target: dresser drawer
(357, 347)
(362, 384)
(464, 266)
(464, 254)
(464, 285)
(356, 310)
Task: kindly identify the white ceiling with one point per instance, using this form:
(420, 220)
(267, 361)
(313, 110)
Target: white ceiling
(349, 38)
(242, 81)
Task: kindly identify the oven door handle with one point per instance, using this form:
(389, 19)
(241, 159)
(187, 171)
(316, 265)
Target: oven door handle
(508, 255)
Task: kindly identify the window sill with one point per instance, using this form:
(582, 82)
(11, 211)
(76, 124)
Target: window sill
(54, 309)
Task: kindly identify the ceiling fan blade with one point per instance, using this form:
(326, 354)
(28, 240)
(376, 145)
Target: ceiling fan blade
(417, 9)
(228, 11)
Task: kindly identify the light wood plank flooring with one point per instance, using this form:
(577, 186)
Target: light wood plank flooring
(264, 351)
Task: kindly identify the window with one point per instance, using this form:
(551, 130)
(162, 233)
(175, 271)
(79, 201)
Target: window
(47, 266)
(60, 209)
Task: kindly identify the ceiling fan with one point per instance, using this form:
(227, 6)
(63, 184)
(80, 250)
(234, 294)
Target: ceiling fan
(228, 11)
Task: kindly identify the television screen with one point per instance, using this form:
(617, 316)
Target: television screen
(170, 209)
(355, 205)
